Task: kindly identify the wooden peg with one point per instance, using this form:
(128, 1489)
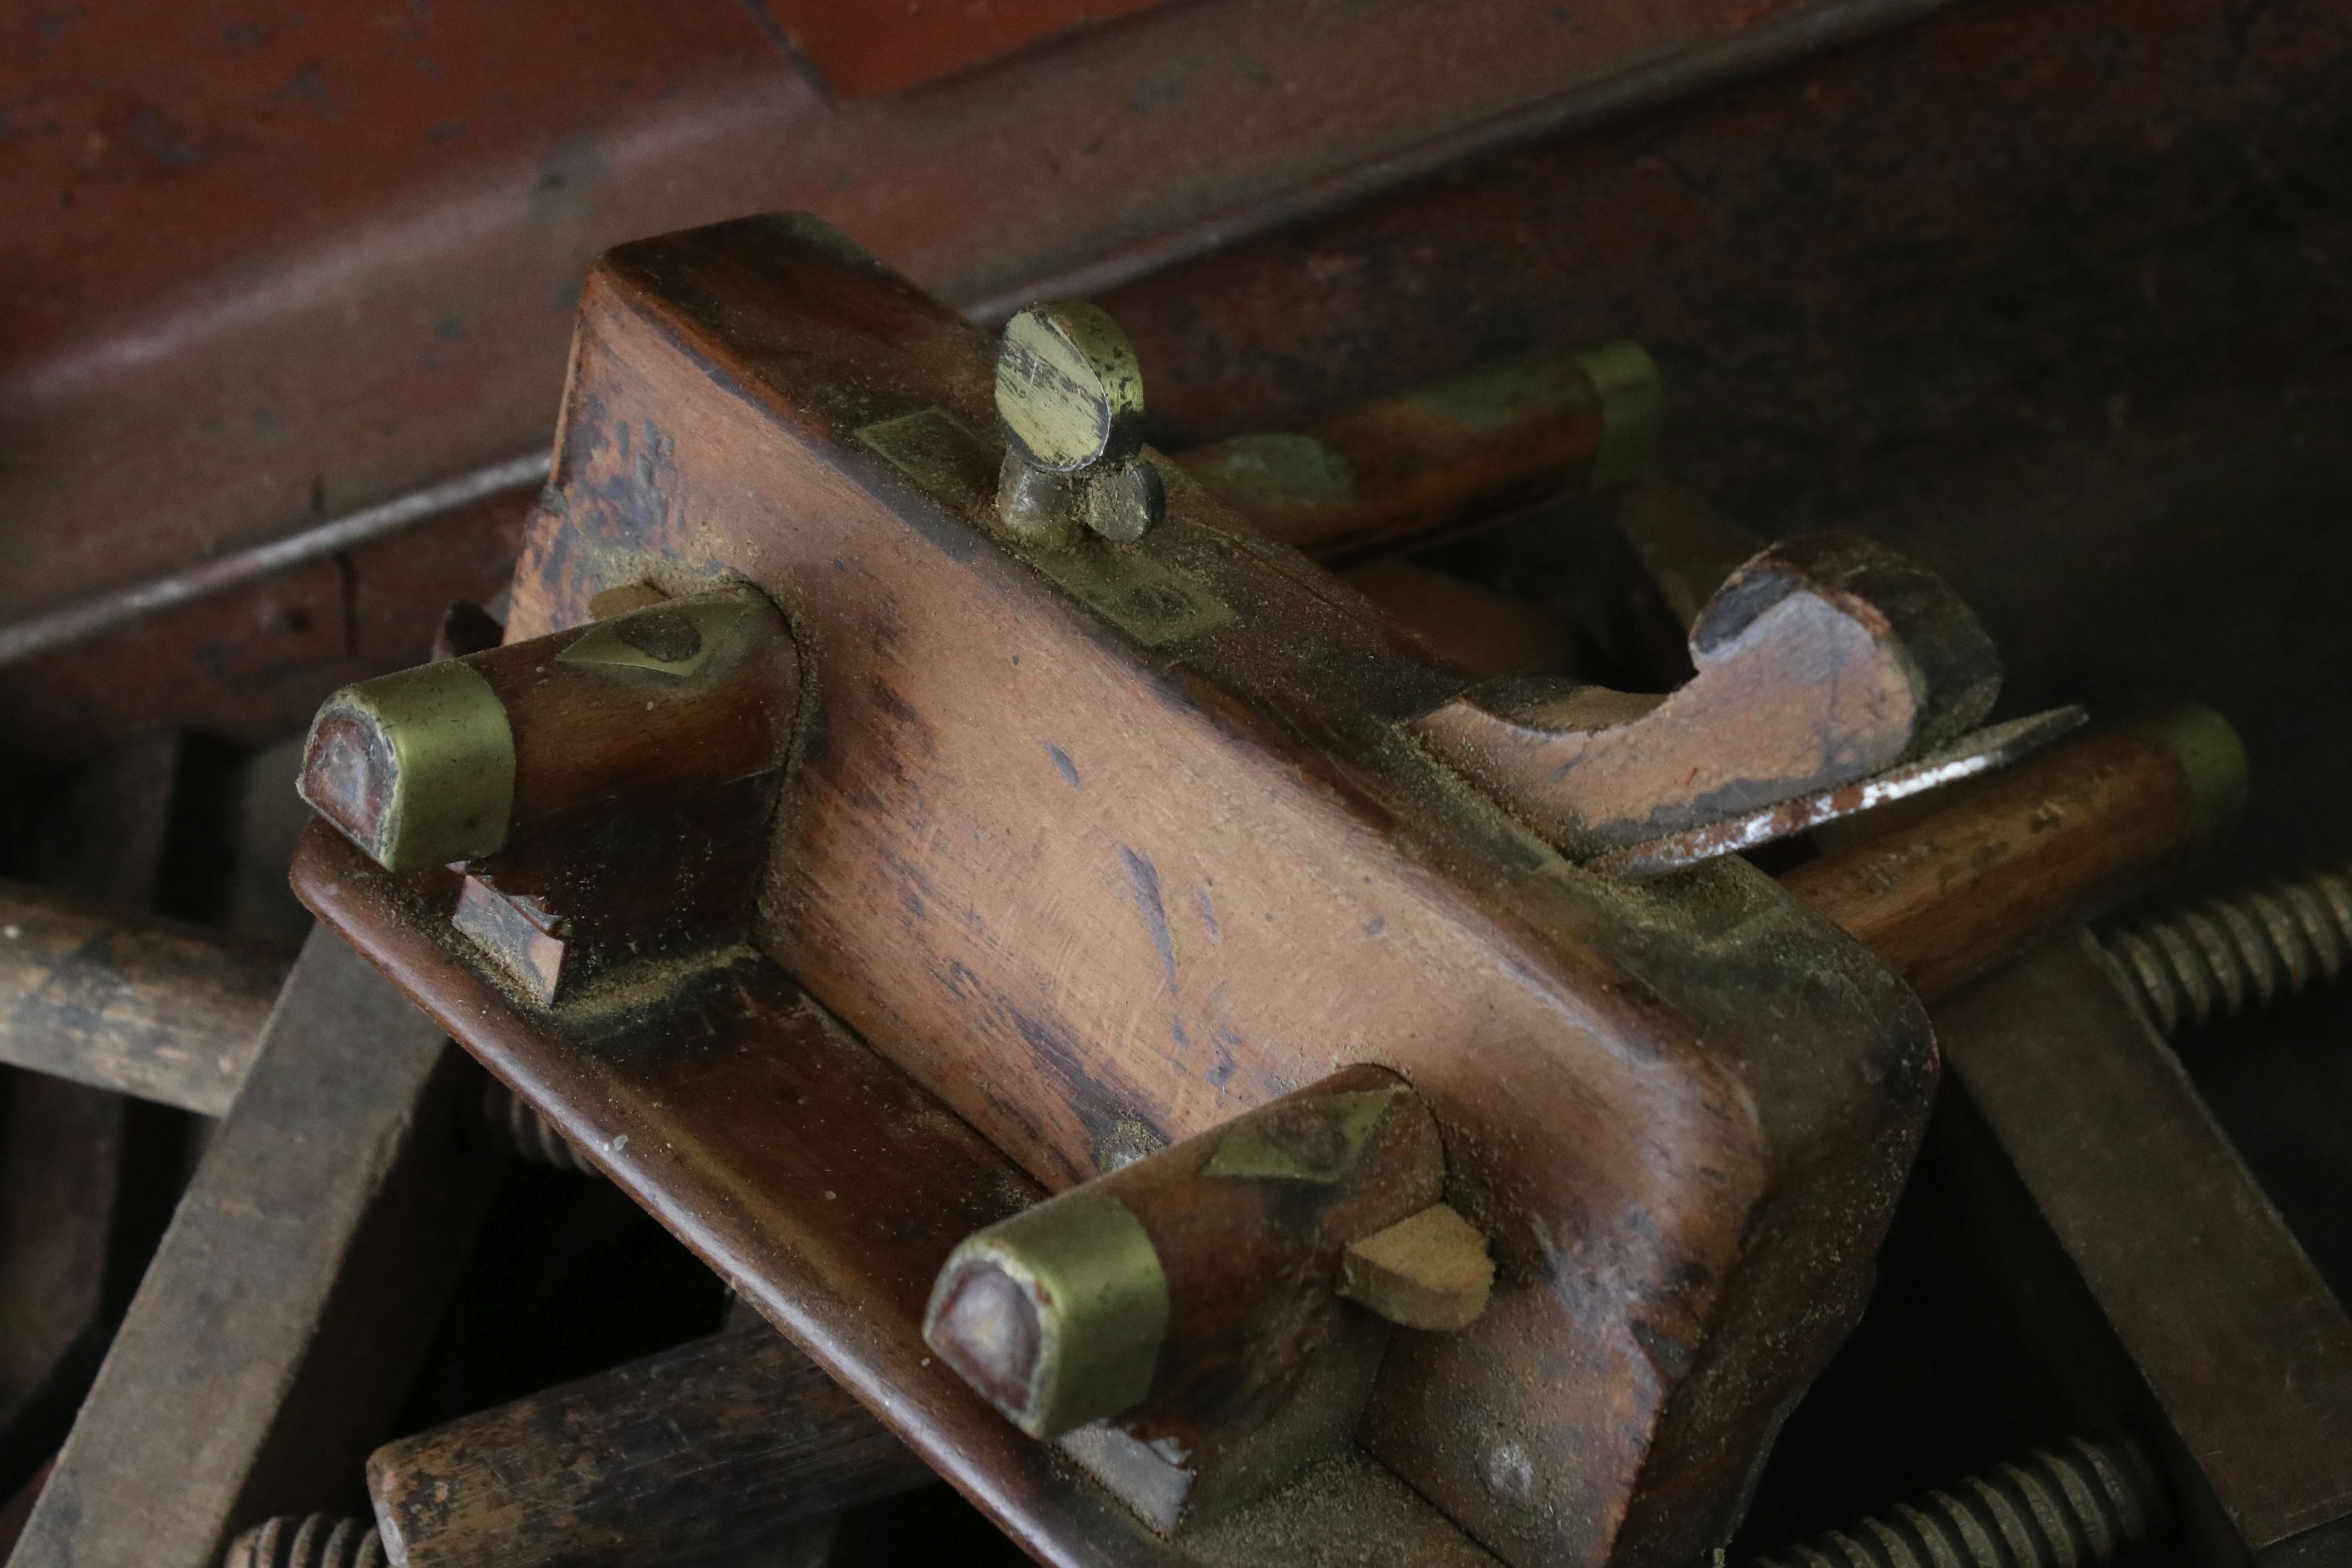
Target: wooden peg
(440, 762)
(1178, 1322)
(605, 786)
(1429, 1271)
(715, 1446)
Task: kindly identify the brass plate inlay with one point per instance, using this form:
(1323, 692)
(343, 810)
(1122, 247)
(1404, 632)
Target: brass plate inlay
(948, 461)
(1321, 1139)
(671, 639)
(1149, 599)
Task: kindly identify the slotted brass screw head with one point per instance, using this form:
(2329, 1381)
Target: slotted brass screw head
(1069, 393)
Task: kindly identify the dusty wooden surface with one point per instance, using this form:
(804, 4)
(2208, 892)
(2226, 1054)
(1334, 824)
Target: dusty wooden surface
(146, 1006)
(1258, 1369)
(1107, 849)
(278, 1324)
(721, 1444)
(829, 1187)
(1060, 851)
(1375, 476)
(634, 767)
(1265, 1369)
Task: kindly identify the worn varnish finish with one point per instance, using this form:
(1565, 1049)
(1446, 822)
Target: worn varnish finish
(1375, 476)
(666, 699)
(139, 1005)
(630, 768)
(716, 1445)
(1079, 888)
(1978, 878)
(1261, 1369)
(829, 1188)
(1257, 1333)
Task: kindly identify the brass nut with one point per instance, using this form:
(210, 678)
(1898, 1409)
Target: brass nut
(1035, 507)
(1125, 502)
(417, 768)
(1055, 1315)
(1069, 392)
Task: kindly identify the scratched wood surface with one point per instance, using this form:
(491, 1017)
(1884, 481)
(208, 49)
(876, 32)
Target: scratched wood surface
(1098, 885)
(829, 1188)
(135, 1002)
(714, 1446)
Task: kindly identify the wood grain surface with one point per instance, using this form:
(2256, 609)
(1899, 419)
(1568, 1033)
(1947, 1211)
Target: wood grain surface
(290, 1302)
(2000, 865)
(1082, 876)
(143, 1005)
(713, 1446)
(828, 1187)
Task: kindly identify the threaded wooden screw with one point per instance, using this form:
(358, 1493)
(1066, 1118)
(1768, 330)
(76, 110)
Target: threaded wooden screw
(2215, 956)
(307, 1540)
(2076, 1504)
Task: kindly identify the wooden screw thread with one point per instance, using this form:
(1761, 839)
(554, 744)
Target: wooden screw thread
(2077, 1504)
(307, 1540)
(2215, 956)
(500, 1120)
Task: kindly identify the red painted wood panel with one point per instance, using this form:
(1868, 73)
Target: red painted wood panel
(861, 47)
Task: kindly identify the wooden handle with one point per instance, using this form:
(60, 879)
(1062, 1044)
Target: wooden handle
(441, 763)
(719, 1444)
(144, 1006)
(2005, 864)
(1380, 476)
(1190, 1302)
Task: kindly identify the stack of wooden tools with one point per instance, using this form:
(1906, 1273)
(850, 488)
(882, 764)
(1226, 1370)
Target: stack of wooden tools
(1120, 866)
(1204, 1054)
